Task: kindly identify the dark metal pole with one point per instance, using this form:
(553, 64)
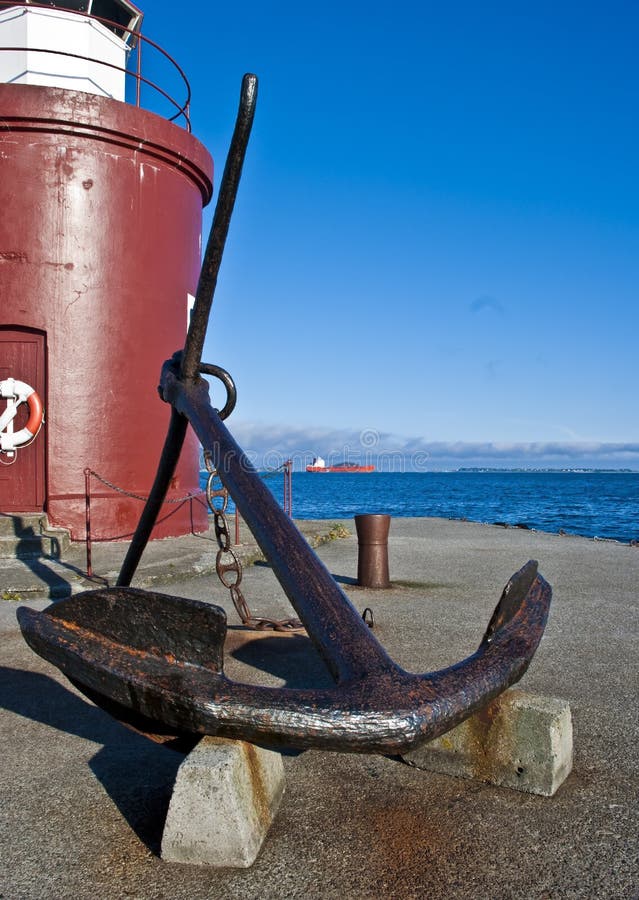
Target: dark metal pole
(87, 512)
(219, 230)
(193, 347)
(285, 499)
(166, 469)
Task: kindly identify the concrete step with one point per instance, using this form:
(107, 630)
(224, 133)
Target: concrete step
(12, 524)
(28, 535)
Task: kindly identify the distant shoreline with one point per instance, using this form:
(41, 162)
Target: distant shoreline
(567, 471)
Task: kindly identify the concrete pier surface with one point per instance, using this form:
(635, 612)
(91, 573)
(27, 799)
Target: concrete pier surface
(83, 800)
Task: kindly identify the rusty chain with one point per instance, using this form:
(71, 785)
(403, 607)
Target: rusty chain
(135, 496)
(227, 562)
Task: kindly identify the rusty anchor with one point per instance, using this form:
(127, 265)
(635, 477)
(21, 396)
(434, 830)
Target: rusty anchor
(156, 661)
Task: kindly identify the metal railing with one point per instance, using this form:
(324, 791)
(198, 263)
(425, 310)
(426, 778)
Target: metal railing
(88, 536)
(182, 108)
(287, 503)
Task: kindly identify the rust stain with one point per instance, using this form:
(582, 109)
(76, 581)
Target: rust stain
(85, 634)
(260, 795)
(13, 256)
(404, 839)
(69, 266)
(485, 729)
(64, 162)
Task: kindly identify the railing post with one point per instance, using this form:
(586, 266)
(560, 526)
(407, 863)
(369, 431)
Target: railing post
(87, 500)
(138, 78)
(285, 497)
(237, 526)
(288, 487)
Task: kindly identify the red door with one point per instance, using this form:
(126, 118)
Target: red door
(22, 477)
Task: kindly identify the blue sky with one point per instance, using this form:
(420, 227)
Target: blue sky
(436, 235)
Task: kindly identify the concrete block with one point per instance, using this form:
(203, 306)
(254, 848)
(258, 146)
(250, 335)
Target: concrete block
(225, 798)
(521, 741)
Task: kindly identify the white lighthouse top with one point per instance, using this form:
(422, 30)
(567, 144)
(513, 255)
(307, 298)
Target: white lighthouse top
(56, 47)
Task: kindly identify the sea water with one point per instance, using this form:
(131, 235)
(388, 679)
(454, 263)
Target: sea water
(593, 504)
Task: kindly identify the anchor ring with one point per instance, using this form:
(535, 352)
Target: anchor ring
(231, 391)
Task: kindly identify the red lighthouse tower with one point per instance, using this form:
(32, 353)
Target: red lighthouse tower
(100, 231)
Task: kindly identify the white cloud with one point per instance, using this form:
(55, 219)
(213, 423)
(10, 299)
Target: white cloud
(270, 445)
(486, 302)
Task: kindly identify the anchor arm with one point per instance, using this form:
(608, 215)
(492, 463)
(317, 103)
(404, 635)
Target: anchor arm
(160, 667)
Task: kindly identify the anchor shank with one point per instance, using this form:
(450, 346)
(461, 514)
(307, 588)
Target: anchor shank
(345, 642)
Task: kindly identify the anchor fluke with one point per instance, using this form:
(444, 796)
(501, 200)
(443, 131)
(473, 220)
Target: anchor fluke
(156, 662)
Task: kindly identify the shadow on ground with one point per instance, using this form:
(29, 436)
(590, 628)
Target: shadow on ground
(290, 657)
(137, 775)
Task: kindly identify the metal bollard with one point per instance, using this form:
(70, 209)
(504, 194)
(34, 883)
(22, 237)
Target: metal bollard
(372, 555)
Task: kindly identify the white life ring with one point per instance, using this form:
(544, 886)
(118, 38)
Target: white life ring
(17, 392)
